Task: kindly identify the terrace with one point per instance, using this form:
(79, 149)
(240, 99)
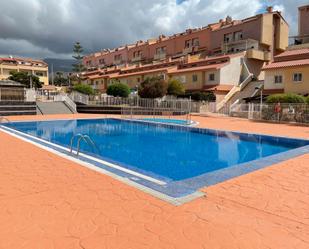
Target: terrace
(48, 201)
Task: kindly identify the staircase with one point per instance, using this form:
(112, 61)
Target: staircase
(57, 107)
(10, 108)
(233, 94)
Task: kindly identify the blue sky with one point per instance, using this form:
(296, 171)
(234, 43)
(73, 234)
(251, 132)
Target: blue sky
(48, 28)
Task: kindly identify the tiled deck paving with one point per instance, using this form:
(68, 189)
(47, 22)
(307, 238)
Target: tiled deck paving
(49, 202)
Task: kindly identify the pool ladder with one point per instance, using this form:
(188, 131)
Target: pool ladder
(4, 119)
(80, 137)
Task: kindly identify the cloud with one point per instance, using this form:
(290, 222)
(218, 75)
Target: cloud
(48, 28)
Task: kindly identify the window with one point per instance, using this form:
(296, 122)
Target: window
(161, 76)
(228, 37)
(188, 44)
(297, 77)
(138, 80)
(192, 43)
(195, 42)
(117, 57)
(137, 53)
(194, 78)
(161, 50)
(278, 79)
(211, 77)
(39, 73)
(101, 61)
(238, 35)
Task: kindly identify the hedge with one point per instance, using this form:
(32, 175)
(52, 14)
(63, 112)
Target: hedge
(84, 88)
(285, 98)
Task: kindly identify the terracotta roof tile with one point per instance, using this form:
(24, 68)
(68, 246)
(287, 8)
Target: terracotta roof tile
(272, 91)
(200, 68)
(218, 88)
(284, 64)
(293, 52)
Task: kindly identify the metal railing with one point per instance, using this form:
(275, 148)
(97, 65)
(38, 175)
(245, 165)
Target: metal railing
(80, 137)
(155, 113)
(79, 97)
(67, 100)
(4, 119)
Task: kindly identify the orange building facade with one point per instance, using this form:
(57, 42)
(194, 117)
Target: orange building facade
(219, 57)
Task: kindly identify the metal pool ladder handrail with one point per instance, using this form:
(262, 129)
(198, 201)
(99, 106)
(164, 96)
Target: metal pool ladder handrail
(4, 118)
(80, 136)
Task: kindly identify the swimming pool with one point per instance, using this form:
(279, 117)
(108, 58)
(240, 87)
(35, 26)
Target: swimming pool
(173, 160)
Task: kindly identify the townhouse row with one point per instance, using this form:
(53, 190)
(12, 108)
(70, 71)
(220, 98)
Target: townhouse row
(266, 33)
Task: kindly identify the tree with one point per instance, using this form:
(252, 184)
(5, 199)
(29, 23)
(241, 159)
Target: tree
(154, 87)
(77, 55)
(118, 89)
(59, 80)
(26, 79)
(175, 87)
(84, 88)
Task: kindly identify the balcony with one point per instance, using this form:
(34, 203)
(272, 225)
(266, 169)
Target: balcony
(160, 56)
(235, 46)
(136, 58)
(258, 55)
(189, 50)
(118, 61)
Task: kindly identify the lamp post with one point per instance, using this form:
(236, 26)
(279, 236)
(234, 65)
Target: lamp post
(261, 98)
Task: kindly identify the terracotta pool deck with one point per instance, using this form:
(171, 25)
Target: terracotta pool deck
(49, 202)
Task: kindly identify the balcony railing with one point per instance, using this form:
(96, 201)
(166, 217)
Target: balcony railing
(136, 58)
(160, 56)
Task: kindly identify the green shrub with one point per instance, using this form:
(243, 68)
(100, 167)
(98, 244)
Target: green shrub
(307, 99)
(154, 87)
(84, 88)
(200, 96)
(175, 87)
(285, 98)
(118, 90)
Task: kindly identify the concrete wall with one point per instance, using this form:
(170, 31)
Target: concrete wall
(269, 82)
(303, 20)
(282, 35)
(230, 74)
(266, 27)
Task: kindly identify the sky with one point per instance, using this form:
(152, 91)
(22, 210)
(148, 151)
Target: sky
(49, 28)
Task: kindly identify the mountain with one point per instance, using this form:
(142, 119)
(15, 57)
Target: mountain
(59, 65)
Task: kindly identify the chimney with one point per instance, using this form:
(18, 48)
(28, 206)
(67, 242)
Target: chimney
(269, 9)
(228, 19)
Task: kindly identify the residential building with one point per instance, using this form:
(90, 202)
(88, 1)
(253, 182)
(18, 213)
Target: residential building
(266, 34)
(289, 72)
(223, 57)
(33, 67)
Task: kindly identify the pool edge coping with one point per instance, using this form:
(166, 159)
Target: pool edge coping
(176, 201)
(190, 191)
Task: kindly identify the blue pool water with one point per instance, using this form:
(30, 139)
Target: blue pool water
(168, 121)
(162, 151)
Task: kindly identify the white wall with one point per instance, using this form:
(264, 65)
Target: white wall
(269, 82)
(230, 74)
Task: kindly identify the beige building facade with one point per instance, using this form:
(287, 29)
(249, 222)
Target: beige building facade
(34, 67)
